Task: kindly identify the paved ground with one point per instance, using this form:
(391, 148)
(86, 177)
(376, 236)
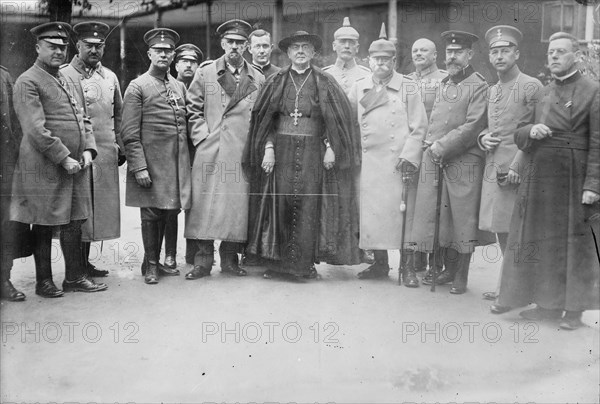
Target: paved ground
(335, 339)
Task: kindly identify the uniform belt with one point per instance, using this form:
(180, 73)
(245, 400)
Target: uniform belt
(305, 126)
(566, 140)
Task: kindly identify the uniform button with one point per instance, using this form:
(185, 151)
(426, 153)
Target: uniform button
(446, 122)
(364, 137)
(429, 135)
(393, 124)
(449, 108)
(364, 150)
(224, 127)
(392, 136)
(364, 125)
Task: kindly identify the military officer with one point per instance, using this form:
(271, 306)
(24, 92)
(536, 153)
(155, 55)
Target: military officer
(219, 103)
(457, 118)
(393, 124)
(187, 59)
(345, 70)
(99, 91)
(510, 101)
(428, 77)
(261, 49)
(58, 141)
(155, 136)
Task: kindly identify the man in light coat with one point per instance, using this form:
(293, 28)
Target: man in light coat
(219, 103)
(99, 91)
(510, 101)
(51, 185)
(393, 124)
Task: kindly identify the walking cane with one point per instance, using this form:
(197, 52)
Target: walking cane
(439, 183)
(405, 184)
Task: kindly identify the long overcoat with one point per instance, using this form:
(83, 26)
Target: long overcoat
(100, 93)
(54, 127)
(507, 106)
(218, 126)
(392, 125)
(457, 118)
(154, 133)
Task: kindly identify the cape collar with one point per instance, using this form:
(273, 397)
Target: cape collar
(395, 82)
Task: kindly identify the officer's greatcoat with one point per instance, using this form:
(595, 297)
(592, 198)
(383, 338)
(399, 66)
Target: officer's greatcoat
(154, 133)
(393, 124)
(457, 118)
(54, 128)
(99, 91)
(219, 120)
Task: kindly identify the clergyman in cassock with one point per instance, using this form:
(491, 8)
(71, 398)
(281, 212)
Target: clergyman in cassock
(393, 124)
(302, 155)
(99, 91)
(457, 118)
(58, 145)
(510, 101)
(154, 133)
(551, 259)
(261, 48)
(219, 103)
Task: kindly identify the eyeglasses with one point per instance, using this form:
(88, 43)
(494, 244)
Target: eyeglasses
(558, 51)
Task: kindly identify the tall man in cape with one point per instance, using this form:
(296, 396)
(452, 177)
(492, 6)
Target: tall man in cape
(552, 257)
(302, 155)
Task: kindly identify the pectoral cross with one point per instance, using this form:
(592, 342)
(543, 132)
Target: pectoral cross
(296, 115)
(172, 98)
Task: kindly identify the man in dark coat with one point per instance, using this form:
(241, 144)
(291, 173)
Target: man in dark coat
(301, 157)
(154, 133)
(99, 90)
(551, 259)
(457, 118)
(51, 185)
(10, 232)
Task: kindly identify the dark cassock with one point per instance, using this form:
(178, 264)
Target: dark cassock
(552, 257)
(301, 213)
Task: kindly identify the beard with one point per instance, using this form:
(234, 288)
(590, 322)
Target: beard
(453, 68)
(234, 58)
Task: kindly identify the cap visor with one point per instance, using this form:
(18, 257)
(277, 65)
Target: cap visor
(56, 41)
(162, 46)
(235, 36)
(381, 53)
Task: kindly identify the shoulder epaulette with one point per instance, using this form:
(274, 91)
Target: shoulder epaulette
(3, 68)
(364, 68)
(480, 76)
(442, 71)
(206, 63)
(408, 77)
(63, 65)
(361, 79)
(327, 68)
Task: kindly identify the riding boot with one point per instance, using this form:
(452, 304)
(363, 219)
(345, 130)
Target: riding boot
(150, 239)
(407, 274)
(170, 234)
(459, 286)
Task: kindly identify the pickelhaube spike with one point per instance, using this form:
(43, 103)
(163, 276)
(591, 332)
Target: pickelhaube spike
(382, 46)
(382, 33)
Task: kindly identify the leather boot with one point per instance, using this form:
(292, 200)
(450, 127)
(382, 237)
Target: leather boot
(76, 279)
(420, 259)
(379, 269)
(90, 269)
(408, 274)
(459, 286)
(150, 238)
(202, 260)
(229, 259)
(44, 286)
(437, 262)
(7, 290)
(170, 234)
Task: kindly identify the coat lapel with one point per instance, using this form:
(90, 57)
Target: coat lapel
(246, 86)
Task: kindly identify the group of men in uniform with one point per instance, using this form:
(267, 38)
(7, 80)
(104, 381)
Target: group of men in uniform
(301, 165)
